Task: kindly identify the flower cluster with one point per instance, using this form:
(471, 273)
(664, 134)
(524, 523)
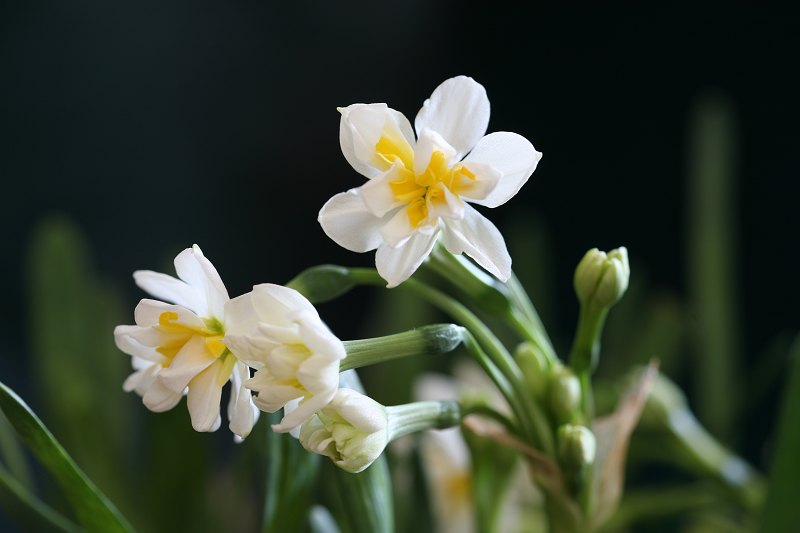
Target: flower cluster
(271, 343)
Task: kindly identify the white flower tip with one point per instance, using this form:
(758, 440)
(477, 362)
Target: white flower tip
(340, 109)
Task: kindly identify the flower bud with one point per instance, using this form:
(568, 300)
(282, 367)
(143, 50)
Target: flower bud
(602, 278)
(535, 368)
(564, 395)
(352, 430)
(577, 446)
(322, 283)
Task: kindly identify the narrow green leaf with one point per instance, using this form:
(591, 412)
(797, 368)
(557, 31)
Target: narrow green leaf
(712, 260)
(781, 512)
(11, 454)
(27, 511)
(93, 510)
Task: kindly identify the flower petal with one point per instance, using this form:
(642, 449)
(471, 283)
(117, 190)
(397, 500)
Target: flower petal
(377, 193)
(512, 155)
(360, 410)
(305, 410)
(273, 303)
(205, 392)
(346, 219)
(193, 268)
(126, 340)
(170, 289)
(148, 313)
(481, 240)
(190, 360)
(458, 110)
(159, 398)
(396, 265)
(360, 129)
(317, 337)
(241, 411)
(398, 229)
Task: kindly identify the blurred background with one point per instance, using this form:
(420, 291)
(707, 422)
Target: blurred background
(131, 130)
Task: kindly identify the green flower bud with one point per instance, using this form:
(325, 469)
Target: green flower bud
(602, 278)
(564, 395)
(535, 368)
(322, 283)
(577, 446)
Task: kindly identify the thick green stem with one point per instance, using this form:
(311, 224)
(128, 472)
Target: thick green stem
(427, 340)
(418, 416)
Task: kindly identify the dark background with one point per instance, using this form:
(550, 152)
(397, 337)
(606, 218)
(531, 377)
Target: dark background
(155, 125)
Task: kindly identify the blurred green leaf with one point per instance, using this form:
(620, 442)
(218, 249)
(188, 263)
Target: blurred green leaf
(291, 480)
(782, 513)
(71, 319)
(712, 260)
(93, 510)
(27, 511)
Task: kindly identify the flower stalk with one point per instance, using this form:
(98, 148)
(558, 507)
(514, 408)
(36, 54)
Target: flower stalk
(430, 340)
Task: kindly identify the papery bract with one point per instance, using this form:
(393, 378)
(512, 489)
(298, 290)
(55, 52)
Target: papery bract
(177, 348)
(418, 189)
(279, 333)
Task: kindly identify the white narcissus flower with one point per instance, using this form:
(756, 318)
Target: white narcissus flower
(177, 348)
(279, 333)
(352, 430)
(419, 187)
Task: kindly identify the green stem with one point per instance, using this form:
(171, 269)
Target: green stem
(536, 327)
(484, 410)
(418, 416)
(529, 411)
(434, 339)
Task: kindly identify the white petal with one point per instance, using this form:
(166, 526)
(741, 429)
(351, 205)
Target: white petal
(240, 315)
(241, 411)
(148, 313)
(205, 393)
(446, 204)
(305, 409)
(345, 219)
(273, 397)
(360, 129)
(377, 193)
(251, 349)
(317, 337)
(173, 290)
(273, 303)
(141, 380)
(396, 265)
(193, 268)
(507, 153)
(458, 110)
(398, 229)
(125, 339)
(360, 410)
(159, 398)
(481, 240)
(190, 360)
(430, 141)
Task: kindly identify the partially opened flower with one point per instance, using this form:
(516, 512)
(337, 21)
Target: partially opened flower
(352, 430)
(177, 348)
(279, 333)
(418, 187)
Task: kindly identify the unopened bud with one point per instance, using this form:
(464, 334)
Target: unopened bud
(602, 278)
(564, 395)
(322, 283)
(535, 368)
(577, 446)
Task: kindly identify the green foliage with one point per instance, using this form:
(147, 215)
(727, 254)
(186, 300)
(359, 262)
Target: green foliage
(93, 510)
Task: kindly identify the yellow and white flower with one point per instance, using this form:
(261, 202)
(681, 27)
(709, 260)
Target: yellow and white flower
(279, 333)
(419, 187)
(178, 349)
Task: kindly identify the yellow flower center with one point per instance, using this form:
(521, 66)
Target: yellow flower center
(212, 334)
(420, 192)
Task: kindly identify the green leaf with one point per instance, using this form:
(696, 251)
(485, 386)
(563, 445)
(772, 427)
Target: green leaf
(712, 259)
(291, 479)
(11, 454)
(93, 510)
(27, 511)
(781, 512)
